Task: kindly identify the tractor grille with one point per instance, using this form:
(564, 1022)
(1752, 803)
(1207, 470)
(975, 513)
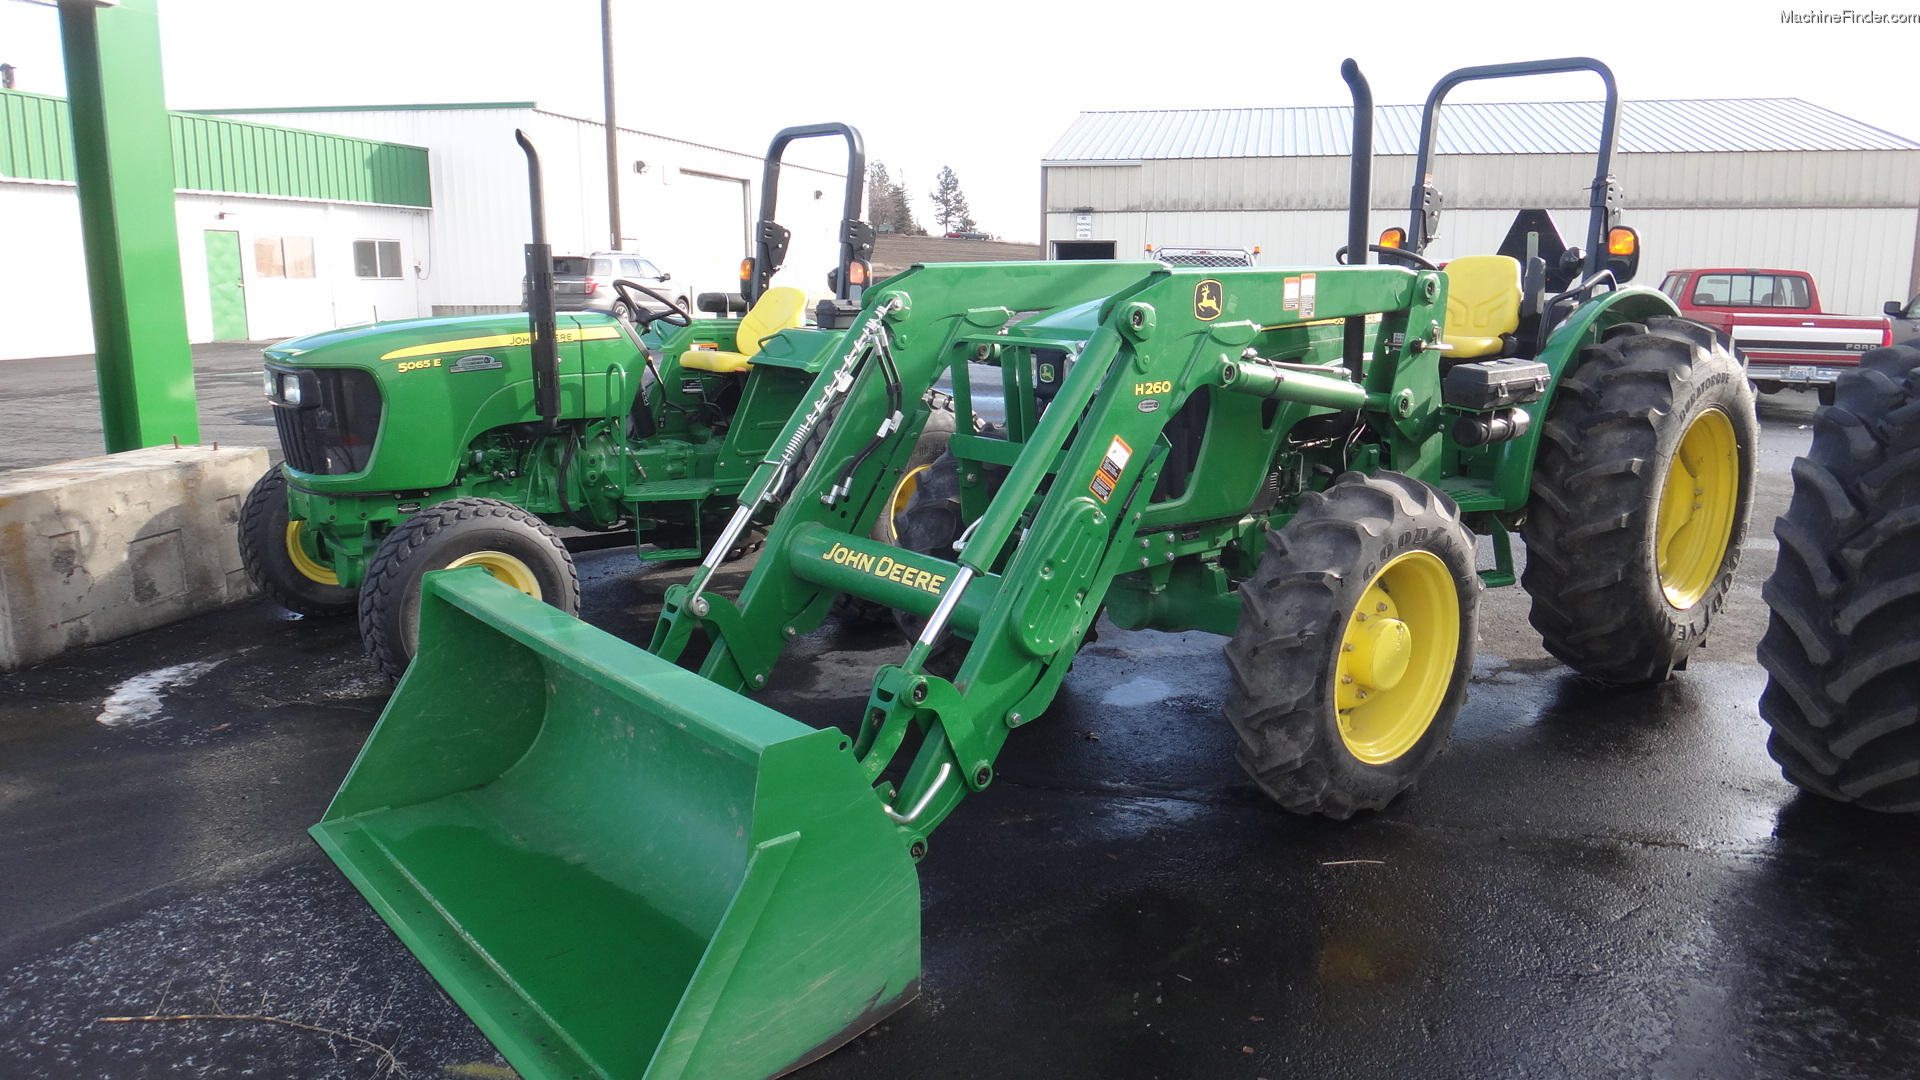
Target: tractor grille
(1205, 256)
(333, 430)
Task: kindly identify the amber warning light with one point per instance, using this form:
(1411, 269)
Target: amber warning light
(1393, 238)
(1622, 241)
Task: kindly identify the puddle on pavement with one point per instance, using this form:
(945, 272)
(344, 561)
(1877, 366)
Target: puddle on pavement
(138, 700)
(1137, 691)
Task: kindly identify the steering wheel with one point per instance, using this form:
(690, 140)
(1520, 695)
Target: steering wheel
(675, 315)
(1415, 258)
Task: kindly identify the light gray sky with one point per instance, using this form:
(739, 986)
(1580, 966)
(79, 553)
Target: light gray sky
(985, 86)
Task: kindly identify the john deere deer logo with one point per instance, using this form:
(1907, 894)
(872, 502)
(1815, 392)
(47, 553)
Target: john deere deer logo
(1207, 298)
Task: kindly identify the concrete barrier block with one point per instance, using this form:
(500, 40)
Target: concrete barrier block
(96, 549)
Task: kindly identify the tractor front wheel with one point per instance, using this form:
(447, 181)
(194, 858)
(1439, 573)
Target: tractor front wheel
(1355, 643)
(1641, 494)
(280, 553)
(1842, 649)
(506, 541)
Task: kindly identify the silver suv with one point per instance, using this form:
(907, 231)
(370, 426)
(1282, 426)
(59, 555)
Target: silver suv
(585, 283)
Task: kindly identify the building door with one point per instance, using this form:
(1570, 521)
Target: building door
(708, 237)
(225, 286)
(1083, 249)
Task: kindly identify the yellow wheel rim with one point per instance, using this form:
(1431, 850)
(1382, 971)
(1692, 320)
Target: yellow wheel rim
(504, 568)
(1397, 657)
(309, 567)
(1696, 512)
(902, 495)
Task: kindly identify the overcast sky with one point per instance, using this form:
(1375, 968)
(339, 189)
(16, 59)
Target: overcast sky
(985, 86)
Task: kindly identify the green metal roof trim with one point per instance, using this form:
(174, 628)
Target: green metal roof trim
(210, 154)
(427, 107)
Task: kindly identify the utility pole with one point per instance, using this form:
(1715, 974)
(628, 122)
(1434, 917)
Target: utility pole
(613, 130)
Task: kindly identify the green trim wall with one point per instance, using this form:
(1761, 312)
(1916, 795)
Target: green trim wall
(210, 154)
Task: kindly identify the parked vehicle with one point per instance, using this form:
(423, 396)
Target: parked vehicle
(623, 869)
(416, 445)
(585, 283)
(1905, 317)
(1774, 321)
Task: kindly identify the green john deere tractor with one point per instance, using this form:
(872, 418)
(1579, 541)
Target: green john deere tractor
(621, 867)
(417, 445)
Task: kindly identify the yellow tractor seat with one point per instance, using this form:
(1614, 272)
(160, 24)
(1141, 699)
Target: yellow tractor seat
(776, 310)
(1483, 303)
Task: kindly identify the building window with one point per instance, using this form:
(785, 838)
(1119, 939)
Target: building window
(299, 256)
(283, 256)
(376, 258)
(266, 257)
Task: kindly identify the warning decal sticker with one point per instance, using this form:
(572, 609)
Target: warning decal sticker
(1107, 476)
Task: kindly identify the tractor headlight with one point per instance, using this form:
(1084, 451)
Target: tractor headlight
(267, 378)
(290, 389)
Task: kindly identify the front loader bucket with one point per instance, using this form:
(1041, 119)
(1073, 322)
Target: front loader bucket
(617, 868)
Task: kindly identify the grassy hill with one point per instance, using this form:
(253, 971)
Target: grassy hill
(892, 254)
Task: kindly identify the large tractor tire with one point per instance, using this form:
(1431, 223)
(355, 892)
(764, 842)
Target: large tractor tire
(1842, 649)
(1641, 493)
(1355, 643)
(506, 541)
(274, 551)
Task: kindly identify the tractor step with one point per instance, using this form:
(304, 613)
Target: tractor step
(653, 491)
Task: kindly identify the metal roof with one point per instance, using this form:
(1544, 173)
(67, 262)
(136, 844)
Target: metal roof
(1521, 127)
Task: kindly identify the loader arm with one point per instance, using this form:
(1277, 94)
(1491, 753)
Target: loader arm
(1038, 564)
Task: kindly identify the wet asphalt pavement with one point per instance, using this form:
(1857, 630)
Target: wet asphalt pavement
(1590, 883)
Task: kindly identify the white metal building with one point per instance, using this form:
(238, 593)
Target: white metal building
(284, 233)
(1773, 182)
(686, 206)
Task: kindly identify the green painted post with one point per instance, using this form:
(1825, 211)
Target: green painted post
(123, 163)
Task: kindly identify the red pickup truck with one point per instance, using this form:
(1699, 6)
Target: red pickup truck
(1774, 320)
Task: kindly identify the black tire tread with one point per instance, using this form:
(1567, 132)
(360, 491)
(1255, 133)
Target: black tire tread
(1842, 647)
(263, 516)
(393, 564)
(1591, 569)
(1281, 656)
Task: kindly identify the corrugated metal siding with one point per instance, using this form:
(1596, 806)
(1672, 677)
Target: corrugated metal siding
(228, 156)
(1544, 127)
(1860, 258)
(211, 154)
(1860, 178)
(35, 142)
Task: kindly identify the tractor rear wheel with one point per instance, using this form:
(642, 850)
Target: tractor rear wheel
(274, 548)
(1641, 493)
(506, 541)
(1355, 643)
(1842, 649)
